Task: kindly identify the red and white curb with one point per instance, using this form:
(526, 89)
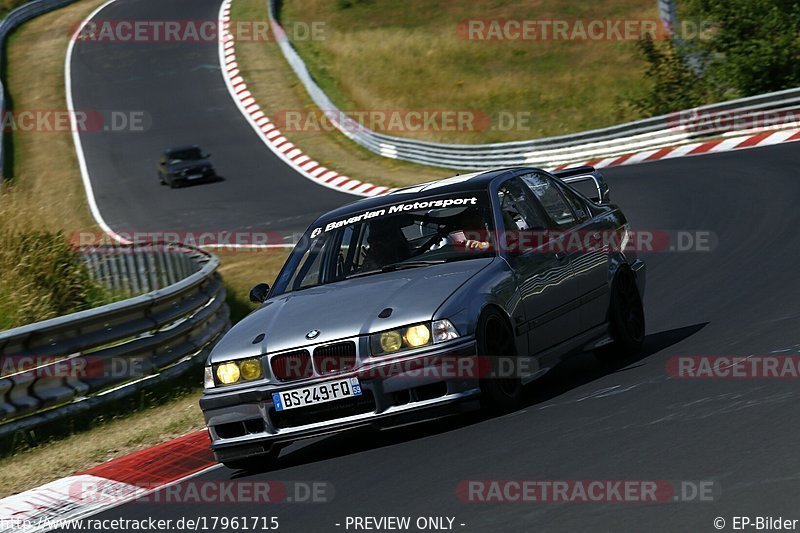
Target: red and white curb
(108, 485)
(752, 140)
(266, 129)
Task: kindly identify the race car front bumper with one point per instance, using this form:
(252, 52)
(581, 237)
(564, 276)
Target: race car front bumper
(396, 391)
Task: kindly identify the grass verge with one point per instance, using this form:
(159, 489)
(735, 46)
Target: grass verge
(415, 55)
(276, 89)
(115, 438)
(46, 187)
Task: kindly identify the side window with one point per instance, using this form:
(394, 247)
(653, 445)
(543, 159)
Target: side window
(577, 204)
(552, 200)
(517, 209)
(309, 273)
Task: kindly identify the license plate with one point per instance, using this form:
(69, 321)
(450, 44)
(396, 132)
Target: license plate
(316, 394)
(194, 177)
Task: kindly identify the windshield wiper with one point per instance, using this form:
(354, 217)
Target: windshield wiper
(398, 266)
(411, 264)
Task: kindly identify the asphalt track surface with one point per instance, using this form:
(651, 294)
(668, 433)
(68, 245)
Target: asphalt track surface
(180, 89)
(583, 421)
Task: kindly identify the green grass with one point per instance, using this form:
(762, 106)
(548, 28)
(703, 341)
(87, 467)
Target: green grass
(276, 89)
(389, 55)
(41, 275)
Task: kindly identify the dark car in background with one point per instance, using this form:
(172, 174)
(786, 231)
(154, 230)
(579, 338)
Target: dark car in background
(183, 165)
(476, 266)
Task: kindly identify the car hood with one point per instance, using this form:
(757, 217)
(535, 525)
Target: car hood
(346, 309)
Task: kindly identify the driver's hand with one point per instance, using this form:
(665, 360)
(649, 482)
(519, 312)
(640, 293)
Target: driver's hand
(474, 245)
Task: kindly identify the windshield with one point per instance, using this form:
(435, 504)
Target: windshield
(185, 155)
(413, 234)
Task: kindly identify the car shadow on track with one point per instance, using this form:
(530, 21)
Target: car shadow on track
(574, 372)
(200, 182)
(584, 368)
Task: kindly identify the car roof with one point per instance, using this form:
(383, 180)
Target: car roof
(452, 185)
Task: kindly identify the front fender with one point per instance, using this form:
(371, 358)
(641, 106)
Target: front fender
(493, 286)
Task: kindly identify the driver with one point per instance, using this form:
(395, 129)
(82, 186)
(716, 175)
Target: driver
(471, 233)
(387, 245)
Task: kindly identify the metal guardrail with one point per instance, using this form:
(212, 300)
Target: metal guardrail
(139, 270)
(12, 21)
(119, 347)
(650, 133)
(75, 363)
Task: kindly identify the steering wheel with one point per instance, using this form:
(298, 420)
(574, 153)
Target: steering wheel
(440, 234)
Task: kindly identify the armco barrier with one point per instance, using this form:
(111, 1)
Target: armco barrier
(12, 21)
(103, 353)
(651, 133)
(140, 270)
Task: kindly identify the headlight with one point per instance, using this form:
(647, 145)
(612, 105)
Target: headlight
(417, 336)
(414, 336)
(391, 341)
(228, 373)
(250, 369)
(234, 372)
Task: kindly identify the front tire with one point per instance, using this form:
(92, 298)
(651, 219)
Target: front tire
(626, 319)
(496, 342)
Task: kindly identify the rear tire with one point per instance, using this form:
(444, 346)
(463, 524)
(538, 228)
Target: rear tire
(626, 319)
(496, 342)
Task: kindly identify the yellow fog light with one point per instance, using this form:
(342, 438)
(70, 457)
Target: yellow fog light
(418, 336)
(391, 341)
(250, 368)
(228, 373)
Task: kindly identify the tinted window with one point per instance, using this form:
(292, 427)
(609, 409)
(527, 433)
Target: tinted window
(517, 209)
(185, 155)
(577, 204)
(551, 198)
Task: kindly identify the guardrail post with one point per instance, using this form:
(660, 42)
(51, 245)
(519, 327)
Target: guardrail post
(20, 394)
(6, 409)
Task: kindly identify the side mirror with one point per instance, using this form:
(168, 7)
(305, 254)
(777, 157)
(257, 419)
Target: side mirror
(259, 293)
(206, 155)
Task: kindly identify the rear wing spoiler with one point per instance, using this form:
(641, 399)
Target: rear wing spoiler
(583, 174)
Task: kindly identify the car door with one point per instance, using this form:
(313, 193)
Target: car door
(544, 277)
(591, 264)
